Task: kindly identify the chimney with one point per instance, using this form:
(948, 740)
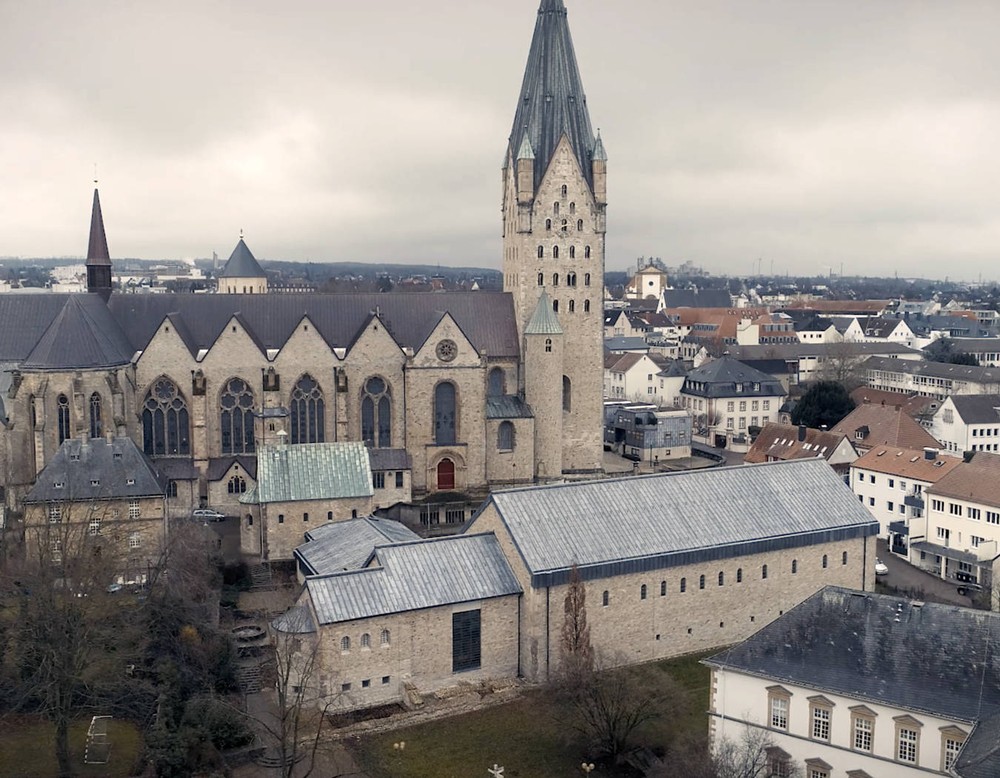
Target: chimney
(967, 456)
(802, 432)
(930, 454)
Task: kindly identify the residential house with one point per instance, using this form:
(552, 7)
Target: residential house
(635, 377)
(841, 307)
(931, 379)
(890, 482)
(784, 442)
(670, 381)
(765, 329)
(807, 362)
(818, 330)
(644, 433)
(728, 397)
(921, 408)
(102, 494)
(985, 350)
(676, 563)
(958, 537)
(868, 426)
(968, 422)
(861, 685)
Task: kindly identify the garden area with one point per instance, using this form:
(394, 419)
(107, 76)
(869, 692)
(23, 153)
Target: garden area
(539, 735)
(27, 748)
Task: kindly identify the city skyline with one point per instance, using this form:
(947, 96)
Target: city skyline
(811, 136)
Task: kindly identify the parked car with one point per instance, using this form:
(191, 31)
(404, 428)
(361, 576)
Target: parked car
(880, 567)
(207, 514)
(967, 584)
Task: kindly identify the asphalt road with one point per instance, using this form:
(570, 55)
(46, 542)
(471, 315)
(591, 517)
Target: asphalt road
(909, 580)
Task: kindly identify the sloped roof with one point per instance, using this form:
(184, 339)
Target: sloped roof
(486, 318)
(913, 404)
(218, 467)
(389, 459)
(507, 406)
(413, 576)
(83, 335)
(544, 320)
(977, 408)
(719, 377)
(887, 426)
(782, 442)
(347, 545)
(242, 264)
(97, 470)
(311, 471)
(97, 246)
(674, 369)
(907, 463)
(939, 660)
(877, 326)
(615, 526)
(697, 298)
(983, 375)
(814, 324)
(552, 102)
(840, 350)
(844, 307)
(626, 344)
(980, 756)
(977, 480)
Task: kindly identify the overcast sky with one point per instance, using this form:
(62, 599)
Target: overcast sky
(854, 133)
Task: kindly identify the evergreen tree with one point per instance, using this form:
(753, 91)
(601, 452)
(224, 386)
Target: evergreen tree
(825, 404)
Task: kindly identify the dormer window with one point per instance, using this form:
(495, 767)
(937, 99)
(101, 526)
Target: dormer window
(130, 482)
(95, 482)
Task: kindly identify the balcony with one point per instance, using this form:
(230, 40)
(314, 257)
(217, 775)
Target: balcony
(914, 501)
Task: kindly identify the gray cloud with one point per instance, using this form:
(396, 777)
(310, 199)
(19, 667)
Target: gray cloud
(809, 134)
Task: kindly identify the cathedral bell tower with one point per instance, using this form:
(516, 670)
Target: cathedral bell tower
(554, 200)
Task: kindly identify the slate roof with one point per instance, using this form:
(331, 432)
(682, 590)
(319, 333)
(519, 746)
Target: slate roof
(97, 246)
(814, 324)
(617, 526)
(544, 320)
(552, 102)
(218, 467)
(782, 442)
(977, 480)
(983, 375)
(486, 318)
(913, 404)
(625, 344)
(507, 406)
(413, 576)
(842, 307)
(933, 659)
(977, 408)
(81, 336)
(980, 757)
(674, 369)
(877, 326)
(799, 350)
(311, 471)
(111, 463)
(719, 378)
(389, 459)
(347, 545)
(697, 298)
(242, 264)
(886, 426)
(907, 463)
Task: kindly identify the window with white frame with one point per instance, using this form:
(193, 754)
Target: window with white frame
(907, 739)
(952, 740)
(862, 728)
(820, 710)
(777, 704)
(94, 528)
(133, 509)
(55, 513)
(134, 540)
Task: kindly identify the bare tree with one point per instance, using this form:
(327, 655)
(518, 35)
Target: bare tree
(753, 754)
(575, 650)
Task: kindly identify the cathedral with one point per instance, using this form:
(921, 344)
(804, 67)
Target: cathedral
(478, 388)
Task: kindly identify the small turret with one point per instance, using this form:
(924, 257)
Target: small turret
(599, 165)
(525, 172)
(98, 257)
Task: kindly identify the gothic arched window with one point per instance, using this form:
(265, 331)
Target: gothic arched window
(308, 411)
(505, 436)
(32, 412)
(444, 413)
(62, 409)
(541, 279)
(567, 394)
(579, 225)
(236, 417)
(497, 383)
(586, 279)
(555, 252)
(586, 252)
(555, 306)
(236, 485)
(541, 251)
(376, 413)
(555, 279)
(165, 430)
(586, 306)
(96, 429)
(572, 252)
(571, 279)
(572, 306)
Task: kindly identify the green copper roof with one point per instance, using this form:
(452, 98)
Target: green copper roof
(525, 152)
(543, 320)
(311, 471)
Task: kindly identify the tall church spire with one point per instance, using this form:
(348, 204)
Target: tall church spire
(552, 102)
(98, 257)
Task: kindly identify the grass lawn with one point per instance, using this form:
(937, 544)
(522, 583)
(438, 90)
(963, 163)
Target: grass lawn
(529, 737)
(27, 748)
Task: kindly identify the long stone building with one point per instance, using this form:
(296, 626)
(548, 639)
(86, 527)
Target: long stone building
(478, 388)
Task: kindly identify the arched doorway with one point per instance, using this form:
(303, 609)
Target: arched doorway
(445, 475)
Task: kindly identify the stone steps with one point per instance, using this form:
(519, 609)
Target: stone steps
(248, 678)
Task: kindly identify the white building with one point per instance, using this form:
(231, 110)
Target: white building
(968, 422)
(930, 379)
(634, 377)
(860, 685)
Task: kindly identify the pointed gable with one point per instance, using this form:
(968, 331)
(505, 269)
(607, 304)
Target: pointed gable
(242, 264)
(82, 336)
(552, 102)
(97, 249)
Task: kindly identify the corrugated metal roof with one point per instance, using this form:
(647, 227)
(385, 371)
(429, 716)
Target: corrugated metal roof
(347, 545)
(650, 522)
(930, 658)
(507, 406)
(487, 318)
(413, 576)
(312, 471)
(97, 470)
